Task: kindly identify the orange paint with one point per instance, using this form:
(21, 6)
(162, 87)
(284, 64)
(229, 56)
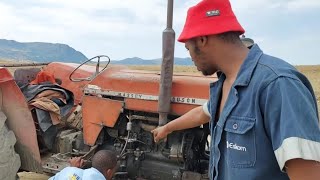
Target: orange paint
(96, 113)
(19, 119)
(99, 112)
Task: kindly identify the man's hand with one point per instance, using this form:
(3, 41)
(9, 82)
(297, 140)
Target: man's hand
(76, 162)
(191, 119)
(160, 133)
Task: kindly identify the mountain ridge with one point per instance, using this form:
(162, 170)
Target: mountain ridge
(140, 61)
(49, 52)
(39, 51)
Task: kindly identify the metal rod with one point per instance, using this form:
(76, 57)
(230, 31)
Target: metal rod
(168, 40)
(23, 65)
(169, 13)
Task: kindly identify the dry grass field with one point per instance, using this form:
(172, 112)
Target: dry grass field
(176, 69)
(311, 72)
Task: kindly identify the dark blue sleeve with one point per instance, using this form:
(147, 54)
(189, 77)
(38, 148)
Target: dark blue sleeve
(291, 120)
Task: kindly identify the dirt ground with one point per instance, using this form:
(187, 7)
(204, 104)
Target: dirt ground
(32, 176)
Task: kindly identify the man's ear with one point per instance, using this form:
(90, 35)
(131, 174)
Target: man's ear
(202, 41)
(109, 173)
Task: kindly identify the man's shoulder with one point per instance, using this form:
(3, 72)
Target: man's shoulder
(68, 172)
(93, 173)
(270, 68)
(72, 169)
(276, 66)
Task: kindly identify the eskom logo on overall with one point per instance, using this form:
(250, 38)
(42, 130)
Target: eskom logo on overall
(236, 147)
(93, 89)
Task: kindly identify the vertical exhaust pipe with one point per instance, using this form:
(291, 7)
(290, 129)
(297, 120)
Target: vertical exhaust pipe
(168, 40)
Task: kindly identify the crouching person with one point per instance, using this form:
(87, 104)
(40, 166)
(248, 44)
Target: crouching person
(104, 164)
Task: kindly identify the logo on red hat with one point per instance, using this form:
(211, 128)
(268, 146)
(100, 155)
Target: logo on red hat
(200, 21)
(213, 13)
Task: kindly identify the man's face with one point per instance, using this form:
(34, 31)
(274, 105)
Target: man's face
(200, 59)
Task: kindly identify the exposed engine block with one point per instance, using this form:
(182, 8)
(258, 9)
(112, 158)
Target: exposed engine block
(181, 156)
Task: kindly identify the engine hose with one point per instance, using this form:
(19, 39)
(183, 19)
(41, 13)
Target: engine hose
(125, 145)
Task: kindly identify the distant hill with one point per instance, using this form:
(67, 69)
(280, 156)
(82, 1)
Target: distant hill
(139, 61)
(39, 51)
(48, 52)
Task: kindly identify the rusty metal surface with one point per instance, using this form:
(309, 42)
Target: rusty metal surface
(67, 140)
(75, 119)
(141, 82)
(56, 162)
(5, 75)
(23, 64)
(20, 122)
(63, 70)
(25, 76)
(168, 39)
(97, 110)
(97, 113)
(123, 79)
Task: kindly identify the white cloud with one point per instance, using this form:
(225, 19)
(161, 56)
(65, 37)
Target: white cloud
(129, 28)
(271, 7)
(303, 4)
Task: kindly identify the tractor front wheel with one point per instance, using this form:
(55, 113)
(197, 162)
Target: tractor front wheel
(9, 159)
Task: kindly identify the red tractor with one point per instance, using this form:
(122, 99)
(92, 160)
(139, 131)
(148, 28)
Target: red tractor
(115, 108)
(67, 109)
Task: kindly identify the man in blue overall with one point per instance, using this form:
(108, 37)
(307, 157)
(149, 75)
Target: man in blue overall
(263, 114)
(104, 164)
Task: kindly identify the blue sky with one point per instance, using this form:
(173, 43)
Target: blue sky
(288, 29)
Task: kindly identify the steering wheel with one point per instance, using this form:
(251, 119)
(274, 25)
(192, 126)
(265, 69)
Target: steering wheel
(98, 71)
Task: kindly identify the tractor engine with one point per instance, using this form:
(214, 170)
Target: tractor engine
(182, 156)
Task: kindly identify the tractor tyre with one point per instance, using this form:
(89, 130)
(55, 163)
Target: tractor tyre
(9, 159)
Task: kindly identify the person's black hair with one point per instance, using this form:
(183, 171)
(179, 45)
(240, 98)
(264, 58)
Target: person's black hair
(230, 37)
(103, 160)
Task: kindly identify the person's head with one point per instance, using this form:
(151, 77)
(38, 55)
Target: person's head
(105, 161)
(211, 30)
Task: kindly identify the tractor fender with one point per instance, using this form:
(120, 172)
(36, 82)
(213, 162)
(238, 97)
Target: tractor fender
(19, 121)
(96, 113)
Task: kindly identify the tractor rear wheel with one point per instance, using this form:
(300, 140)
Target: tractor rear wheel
(9, 159)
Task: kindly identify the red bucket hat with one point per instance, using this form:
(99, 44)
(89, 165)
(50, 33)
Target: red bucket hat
(210, 17)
